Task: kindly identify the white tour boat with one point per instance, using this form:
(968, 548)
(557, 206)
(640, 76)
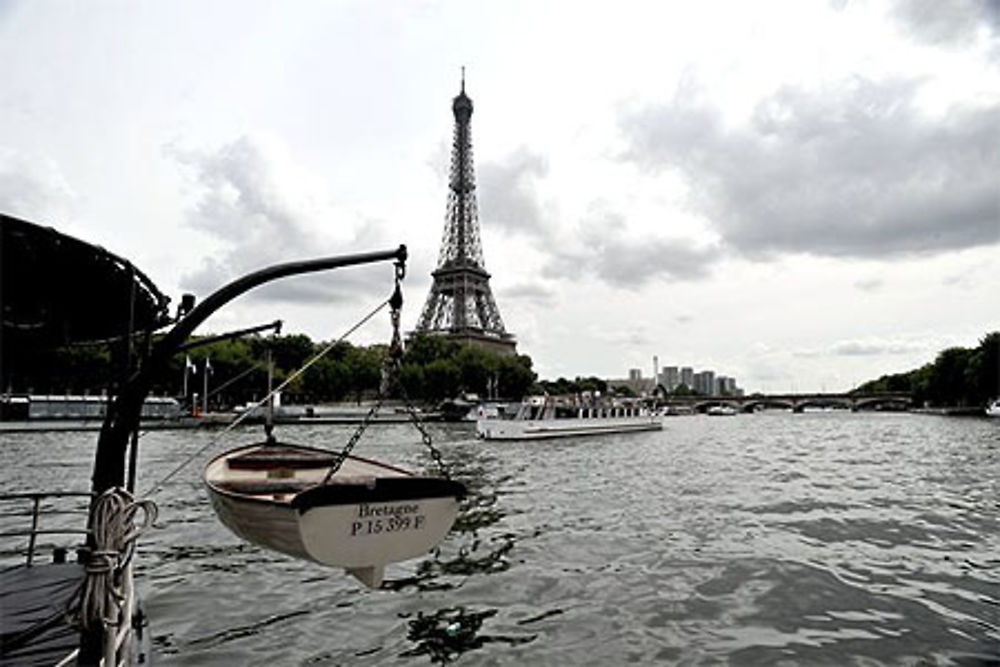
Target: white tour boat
(542, 417)
(993, 409)
(368, 514)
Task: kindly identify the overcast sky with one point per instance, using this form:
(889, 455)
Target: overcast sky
(803, 195)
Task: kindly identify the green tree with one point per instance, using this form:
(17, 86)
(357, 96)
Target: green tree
(423, 349)
(476, 369)
(289, 352)
(983, 372)
(948, 377)
(364, 368)
(325, 380)
(441, 377)
(957, 377)
(412, 379)
(514, 376)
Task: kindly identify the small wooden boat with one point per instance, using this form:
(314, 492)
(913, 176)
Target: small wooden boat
(366, 515)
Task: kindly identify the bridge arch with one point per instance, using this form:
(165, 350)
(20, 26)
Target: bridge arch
(882, 402)
(823, 402)
(751, 405)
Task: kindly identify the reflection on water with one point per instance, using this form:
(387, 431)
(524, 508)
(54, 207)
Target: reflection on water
(466, 553)
(447, 633)
(824, 538)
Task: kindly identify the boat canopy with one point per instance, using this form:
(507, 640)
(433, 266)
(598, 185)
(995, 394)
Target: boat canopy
(57, 290)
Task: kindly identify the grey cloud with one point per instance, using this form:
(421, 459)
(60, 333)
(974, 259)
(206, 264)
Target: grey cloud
(507, 194)
(858, 348)
(439, 160)
(974, 273)
(33, 188)
(244, 203)
(609, 253)
(853, 172)
(868, 284)
(952, 23)
(529, 292)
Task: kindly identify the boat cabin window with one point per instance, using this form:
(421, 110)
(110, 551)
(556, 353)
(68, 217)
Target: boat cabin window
(565, 412)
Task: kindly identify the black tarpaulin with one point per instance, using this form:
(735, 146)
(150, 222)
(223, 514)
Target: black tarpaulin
(56, 290)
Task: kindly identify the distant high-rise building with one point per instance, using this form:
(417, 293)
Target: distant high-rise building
(687, 377)
(634, 374)
(704, 383)
(670, 378)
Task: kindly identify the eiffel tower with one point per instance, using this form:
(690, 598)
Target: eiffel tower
(460, 305)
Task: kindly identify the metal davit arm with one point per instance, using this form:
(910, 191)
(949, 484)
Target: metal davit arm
(123, 414)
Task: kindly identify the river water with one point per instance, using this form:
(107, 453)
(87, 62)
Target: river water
(767, 539)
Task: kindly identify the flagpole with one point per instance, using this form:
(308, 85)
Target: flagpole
(204, 398)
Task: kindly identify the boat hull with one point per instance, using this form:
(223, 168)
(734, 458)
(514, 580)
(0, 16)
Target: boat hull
(368, 515)
(356, 536)
(543, 429)
(267, 524)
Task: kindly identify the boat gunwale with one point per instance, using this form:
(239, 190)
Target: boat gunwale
(269, 499)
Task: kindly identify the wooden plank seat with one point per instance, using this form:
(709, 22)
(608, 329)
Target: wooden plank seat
(276, 456)
(262, 487)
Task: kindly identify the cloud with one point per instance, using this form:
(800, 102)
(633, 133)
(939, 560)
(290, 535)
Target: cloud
(507, 192)
(869, 284)
(606, 249)
(954, 23)
(33, 187)
(622, 335)
(849, 171)
(532, 292)
(263, 209)
(874, 347)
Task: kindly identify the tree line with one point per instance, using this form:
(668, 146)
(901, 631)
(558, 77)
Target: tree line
(432, 369)
(958, 377)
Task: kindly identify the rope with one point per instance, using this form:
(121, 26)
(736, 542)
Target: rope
(239, 420)
(113, 523)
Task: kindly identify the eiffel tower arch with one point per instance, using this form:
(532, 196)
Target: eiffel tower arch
(460, 305)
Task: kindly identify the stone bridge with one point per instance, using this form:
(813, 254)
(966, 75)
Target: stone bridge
(794, 402)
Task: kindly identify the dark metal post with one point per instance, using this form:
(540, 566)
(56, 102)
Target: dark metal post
(34, 529)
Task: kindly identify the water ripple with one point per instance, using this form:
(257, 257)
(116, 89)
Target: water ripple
(769, 539)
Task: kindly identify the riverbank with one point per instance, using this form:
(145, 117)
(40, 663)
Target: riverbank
(330, 414)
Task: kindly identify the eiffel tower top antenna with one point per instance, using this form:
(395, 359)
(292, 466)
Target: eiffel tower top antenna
(460, 305)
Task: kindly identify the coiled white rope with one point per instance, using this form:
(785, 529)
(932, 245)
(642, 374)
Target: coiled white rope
(114, 527)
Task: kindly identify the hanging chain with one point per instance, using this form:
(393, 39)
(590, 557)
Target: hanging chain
(424, 435)
(346, 451)
(391, 377)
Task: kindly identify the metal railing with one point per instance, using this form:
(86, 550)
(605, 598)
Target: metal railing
(37, 511)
